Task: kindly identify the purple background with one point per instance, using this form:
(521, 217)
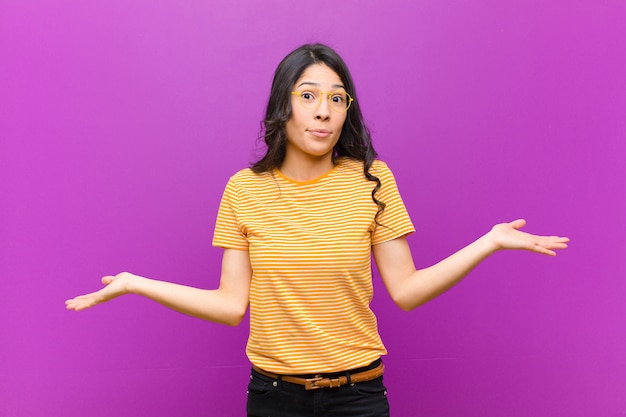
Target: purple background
(120, 123)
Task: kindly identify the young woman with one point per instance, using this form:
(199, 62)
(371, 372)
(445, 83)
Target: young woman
(298, 230)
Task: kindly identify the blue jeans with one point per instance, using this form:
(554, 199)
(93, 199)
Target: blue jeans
(268, 397)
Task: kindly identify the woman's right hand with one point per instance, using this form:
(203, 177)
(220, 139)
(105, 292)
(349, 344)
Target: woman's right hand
(114, 287)
(227, 304)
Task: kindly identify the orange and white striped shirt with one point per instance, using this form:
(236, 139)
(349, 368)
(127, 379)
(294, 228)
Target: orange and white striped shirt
(310, 251)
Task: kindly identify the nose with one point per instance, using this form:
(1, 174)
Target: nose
(322, 112)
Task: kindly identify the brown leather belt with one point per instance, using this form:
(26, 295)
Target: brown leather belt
(319, 381)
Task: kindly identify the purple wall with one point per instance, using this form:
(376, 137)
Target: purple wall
(120, 123)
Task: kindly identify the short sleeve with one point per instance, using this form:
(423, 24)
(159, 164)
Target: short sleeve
(228, 233)
(394, 221)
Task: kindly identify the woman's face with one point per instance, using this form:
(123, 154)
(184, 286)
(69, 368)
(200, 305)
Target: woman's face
(314, 130)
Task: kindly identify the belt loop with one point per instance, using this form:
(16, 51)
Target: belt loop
(349, 381)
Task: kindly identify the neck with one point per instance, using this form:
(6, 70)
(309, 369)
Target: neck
(306, 169)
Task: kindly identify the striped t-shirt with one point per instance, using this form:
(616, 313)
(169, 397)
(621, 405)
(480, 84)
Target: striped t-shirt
(310, 251)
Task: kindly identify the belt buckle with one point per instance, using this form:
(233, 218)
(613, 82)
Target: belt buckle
(311, 383)
(320, 382)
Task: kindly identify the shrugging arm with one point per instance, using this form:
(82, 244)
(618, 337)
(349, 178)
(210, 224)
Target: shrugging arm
(410, 288)
(226, 304)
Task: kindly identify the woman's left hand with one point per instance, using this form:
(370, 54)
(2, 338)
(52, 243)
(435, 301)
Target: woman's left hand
(509, 236)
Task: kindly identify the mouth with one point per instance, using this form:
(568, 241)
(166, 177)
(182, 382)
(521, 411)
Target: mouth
(320, 133)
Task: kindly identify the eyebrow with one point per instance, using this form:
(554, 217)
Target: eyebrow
(318, 85)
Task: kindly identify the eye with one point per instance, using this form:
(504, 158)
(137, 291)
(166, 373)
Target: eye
(338, 98)
(307, 96)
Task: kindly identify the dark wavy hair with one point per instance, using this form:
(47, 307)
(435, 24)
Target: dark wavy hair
(354, 142)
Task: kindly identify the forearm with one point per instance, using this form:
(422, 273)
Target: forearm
(227, 304)
(411, 288)
(213, 305)
(425, 284)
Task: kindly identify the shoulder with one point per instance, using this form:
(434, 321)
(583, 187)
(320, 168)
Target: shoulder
(379, 168)
(243, 174)
(356, 165)
(247, 176)
(246, 184)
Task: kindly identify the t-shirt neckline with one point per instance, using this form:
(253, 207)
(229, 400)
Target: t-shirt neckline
(314, 180)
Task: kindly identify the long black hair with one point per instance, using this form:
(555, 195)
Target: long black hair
(354, 142)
